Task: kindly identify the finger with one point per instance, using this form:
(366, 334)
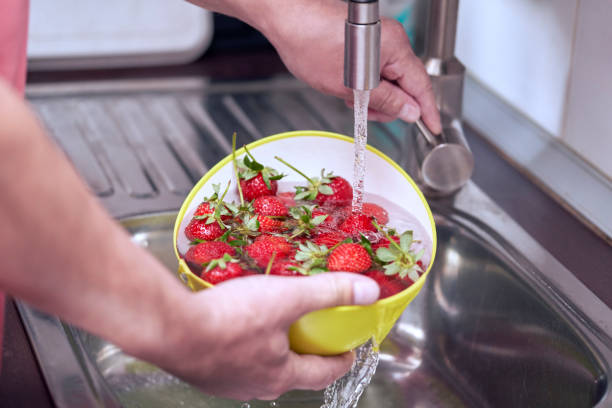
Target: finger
(306, 294)
(373, 114)
(400, 65)
(389, 99)
(316, 372)
(409, 73)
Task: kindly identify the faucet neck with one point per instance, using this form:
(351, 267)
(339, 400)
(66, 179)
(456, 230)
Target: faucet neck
(362, 45)
(441, 29)
(363, 12)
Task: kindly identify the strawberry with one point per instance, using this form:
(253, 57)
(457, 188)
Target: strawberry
(374, 210)
(399, 258)
(207, 251)
(304, 222)
(330, 221)
(255, 179)
(203, 230)
(203, 209)
(384, 243)
(389, 285)
(219, 274)
(349, 258)
(329, 239)
(264, 246)
(288, 198)
(357, 223)
(206, 208)
(282, 268)
(330, 189)
(270, 205)
(256, 187)
(267, 224)
(342, 193)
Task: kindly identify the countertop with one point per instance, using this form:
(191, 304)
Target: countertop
(579, 249)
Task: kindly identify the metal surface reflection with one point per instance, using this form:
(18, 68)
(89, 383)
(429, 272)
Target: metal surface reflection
(477, 336)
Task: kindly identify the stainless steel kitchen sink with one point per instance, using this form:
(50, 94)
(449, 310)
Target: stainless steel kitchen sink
(499, 323)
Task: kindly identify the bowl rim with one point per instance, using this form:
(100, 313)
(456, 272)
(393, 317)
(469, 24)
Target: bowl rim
(301, 133)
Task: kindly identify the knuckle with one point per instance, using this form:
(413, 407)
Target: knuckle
(393, 27)
(342, 290)
(388, 104)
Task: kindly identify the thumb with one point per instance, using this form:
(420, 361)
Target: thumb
(391, 100)
(326, 290)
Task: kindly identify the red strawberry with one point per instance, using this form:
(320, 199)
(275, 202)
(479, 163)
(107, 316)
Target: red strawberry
(200, 230)
(264, 246)
(356, 223)
(267, 224)
(256, 187)
(288, 198)
(203, 209)
(281, 268)
(342, 193)
(329, 239)
(330, 222)
(384, 242)
(270, 205)
(376, 211)
(206, 252)
(219, 274)
(389, 285)
(206, 209)
(349, 258)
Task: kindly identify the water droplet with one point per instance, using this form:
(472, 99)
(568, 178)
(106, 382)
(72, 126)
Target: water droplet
(274, 404)
(245, 405)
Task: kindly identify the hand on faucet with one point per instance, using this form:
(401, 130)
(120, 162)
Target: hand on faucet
(309, 36)
(313, 46)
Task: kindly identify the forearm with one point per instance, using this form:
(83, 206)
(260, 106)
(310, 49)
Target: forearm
(274, 17)
(60, 251)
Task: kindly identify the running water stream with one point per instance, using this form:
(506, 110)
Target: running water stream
(346, 391)
(362, 99)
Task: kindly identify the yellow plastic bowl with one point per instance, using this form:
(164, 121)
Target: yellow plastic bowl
(338, 329)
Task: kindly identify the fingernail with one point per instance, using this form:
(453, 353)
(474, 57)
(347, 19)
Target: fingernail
(409, 113)
(365, 292)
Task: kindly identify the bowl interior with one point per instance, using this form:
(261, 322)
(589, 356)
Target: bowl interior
(311, 151)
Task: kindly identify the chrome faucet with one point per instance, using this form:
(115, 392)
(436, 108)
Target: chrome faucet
(442, 164)
(362, 45)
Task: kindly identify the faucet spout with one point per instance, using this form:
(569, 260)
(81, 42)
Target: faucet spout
(362, 45)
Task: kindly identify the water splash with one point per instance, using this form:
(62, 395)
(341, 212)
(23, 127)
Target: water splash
(346, 391)
(362, 99)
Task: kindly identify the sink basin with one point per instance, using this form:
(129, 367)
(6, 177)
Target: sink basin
(480, 334)
(499, 323)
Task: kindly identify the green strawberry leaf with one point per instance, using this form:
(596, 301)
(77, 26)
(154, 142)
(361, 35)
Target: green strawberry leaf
(319, 219)
(325, 189)
(406, 241)
(392, 268)
(385, 254)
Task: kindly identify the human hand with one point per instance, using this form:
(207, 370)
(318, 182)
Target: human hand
(232, 341)
(309, 37)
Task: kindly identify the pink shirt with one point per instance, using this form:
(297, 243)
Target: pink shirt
(13, 38)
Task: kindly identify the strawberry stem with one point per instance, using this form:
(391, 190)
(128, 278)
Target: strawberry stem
(236, 168)
(269, 267)
(294, 169)
(249, 154)
(391, 240)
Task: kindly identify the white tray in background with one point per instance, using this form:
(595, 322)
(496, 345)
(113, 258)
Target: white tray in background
(69, 34)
